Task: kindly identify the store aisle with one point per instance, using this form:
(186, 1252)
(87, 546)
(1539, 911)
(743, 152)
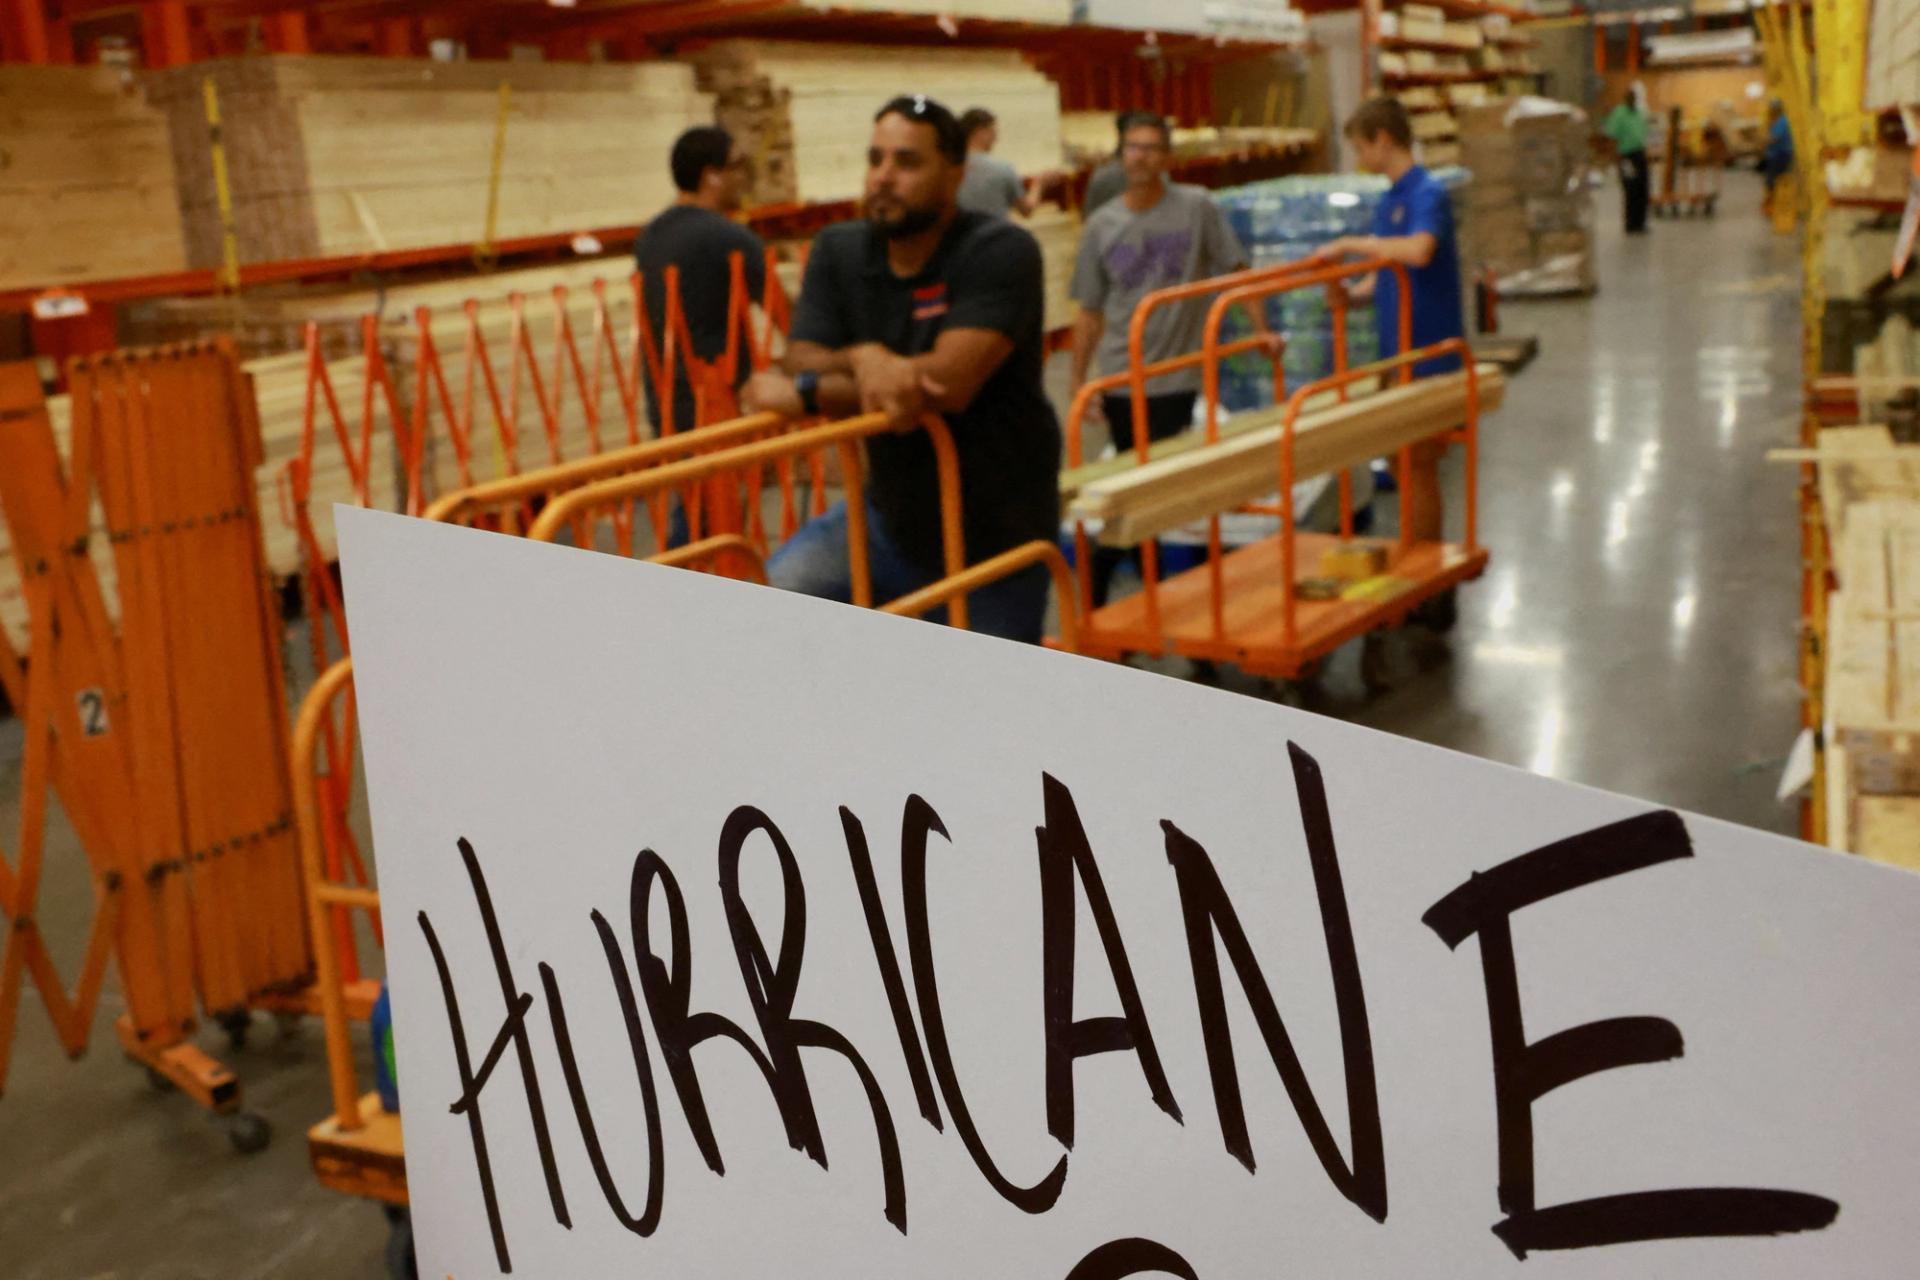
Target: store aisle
(1636, 629)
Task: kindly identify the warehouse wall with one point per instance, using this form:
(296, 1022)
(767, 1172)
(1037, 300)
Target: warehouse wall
(1697, 91)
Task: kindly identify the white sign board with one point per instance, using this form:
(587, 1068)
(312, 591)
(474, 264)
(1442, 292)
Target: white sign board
(738, 934)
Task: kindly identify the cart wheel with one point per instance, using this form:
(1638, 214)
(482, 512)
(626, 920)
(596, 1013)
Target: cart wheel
(248, 1133)
(401, 1264)
(1438, 614)
(158, 1082)
(236, 1023)
(1376, 666)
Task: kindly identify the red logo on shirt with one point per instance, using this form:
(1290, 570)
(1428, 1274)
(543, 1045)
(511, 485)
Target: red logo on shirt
(930, 301)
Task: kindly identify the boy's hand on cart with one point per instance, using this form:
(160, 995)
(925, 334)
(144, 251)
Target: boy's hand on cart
(1344, 247)
(771, 391)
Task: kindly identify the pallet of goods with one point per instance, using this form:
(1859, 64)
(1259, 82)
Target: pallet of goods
(802, 110)
(87, 186)
(332, 157)
(1531, 208)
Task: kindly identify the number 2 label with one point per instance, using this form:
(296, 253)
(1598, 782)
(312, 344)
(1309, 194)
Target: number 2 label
(93, 712)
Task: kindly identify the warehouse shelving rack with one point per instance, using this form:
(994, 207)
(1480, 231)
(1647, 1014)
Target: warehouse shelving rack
(1098, 68)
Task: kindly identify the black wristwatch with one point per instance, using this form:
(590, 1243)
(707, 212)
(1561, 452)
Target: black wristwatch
(808, 386)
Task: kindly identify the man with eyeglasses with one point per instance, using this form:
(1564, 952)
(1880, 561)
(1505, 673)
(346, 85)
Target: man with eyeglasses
(923, 307)
(697, 234)
(1156, 234)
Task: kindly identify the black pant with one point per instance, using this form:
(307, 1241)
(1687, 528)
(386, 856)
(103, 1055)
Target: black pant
(1634, 181)
(1167, 415)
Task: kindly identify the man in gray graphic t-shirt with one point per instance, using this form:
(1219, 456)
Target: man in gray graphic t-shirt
(991, 185)
(1155, 235)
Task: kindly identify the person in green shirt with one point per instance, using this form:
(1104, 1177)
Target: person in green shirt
(1627, 126)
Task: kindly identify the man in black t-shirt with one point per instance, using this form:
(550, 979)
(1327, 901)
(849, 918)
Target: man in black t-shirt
(923, 307)
(696, 234)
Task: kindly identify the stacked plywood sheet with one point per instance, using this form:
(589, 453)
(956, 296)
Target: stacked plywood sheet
(338, 157)
(272, 321)
(1893, 55)
(86, 179)
(1052, 12)
(1059, 235)
(803, 112)
(1870, 497)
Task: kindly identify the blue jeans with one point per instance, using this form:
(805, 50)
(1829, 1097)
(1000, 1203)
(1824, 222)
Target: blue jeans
(815, 562)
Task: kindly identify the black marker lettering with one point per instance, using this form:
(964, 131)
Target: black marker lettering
(1134, 1256)
(512, 1029)
(649, 1219)
(772, 987)
(889, 962)
(920, 820)
(1064, 852)
(668, 987)
(1209, 912)
(1524, 1072)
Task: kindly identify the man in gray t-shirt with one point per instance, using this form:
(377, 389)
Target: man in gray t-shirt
(991, 185)
(1154, 235)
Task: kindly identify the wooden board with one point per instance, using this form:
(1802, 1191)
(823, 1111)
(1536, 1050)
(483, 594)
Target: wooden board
(1145, 501)
(86, 179)
(1873, 639)
(1887, 829)
(1862, 464)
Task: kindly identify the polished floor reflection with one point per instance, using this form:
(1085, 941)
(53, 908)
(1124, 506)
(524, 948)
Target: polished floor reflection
(1636, 629)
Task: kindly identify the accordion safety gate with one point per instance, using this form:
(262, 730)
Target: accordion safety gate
(159, 721)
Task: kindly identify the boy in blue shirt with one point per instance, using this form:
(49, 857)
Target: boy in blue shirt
(1413, 226)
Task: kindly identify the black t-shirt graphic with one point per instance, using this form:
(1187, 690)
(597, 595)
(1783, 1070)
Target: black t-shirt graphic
(986, 274)
(701, 243)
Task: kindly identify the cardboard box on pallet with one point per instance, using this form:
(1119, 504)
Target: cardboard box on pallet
(1532, 209)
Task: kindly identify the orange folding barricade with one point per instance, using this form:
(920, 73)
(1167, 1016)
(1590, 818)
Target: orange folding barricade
(162, 722)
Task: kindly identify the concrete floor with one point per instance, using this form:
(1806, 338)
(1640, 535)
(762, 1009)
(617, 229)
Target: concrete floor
(1635, 632)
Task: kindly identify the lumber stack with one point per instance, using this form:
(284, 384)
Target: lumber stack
(273, 321)
(86, 179)
(1870, 497)
(1051, 12)
(1133, 504)
(340, 157)
(802, 111)
(1059, 235)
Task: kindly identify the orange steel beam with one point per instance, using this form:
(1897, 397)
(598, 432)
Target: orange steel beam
(166, 33)
(286, 32)
(24, 31)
